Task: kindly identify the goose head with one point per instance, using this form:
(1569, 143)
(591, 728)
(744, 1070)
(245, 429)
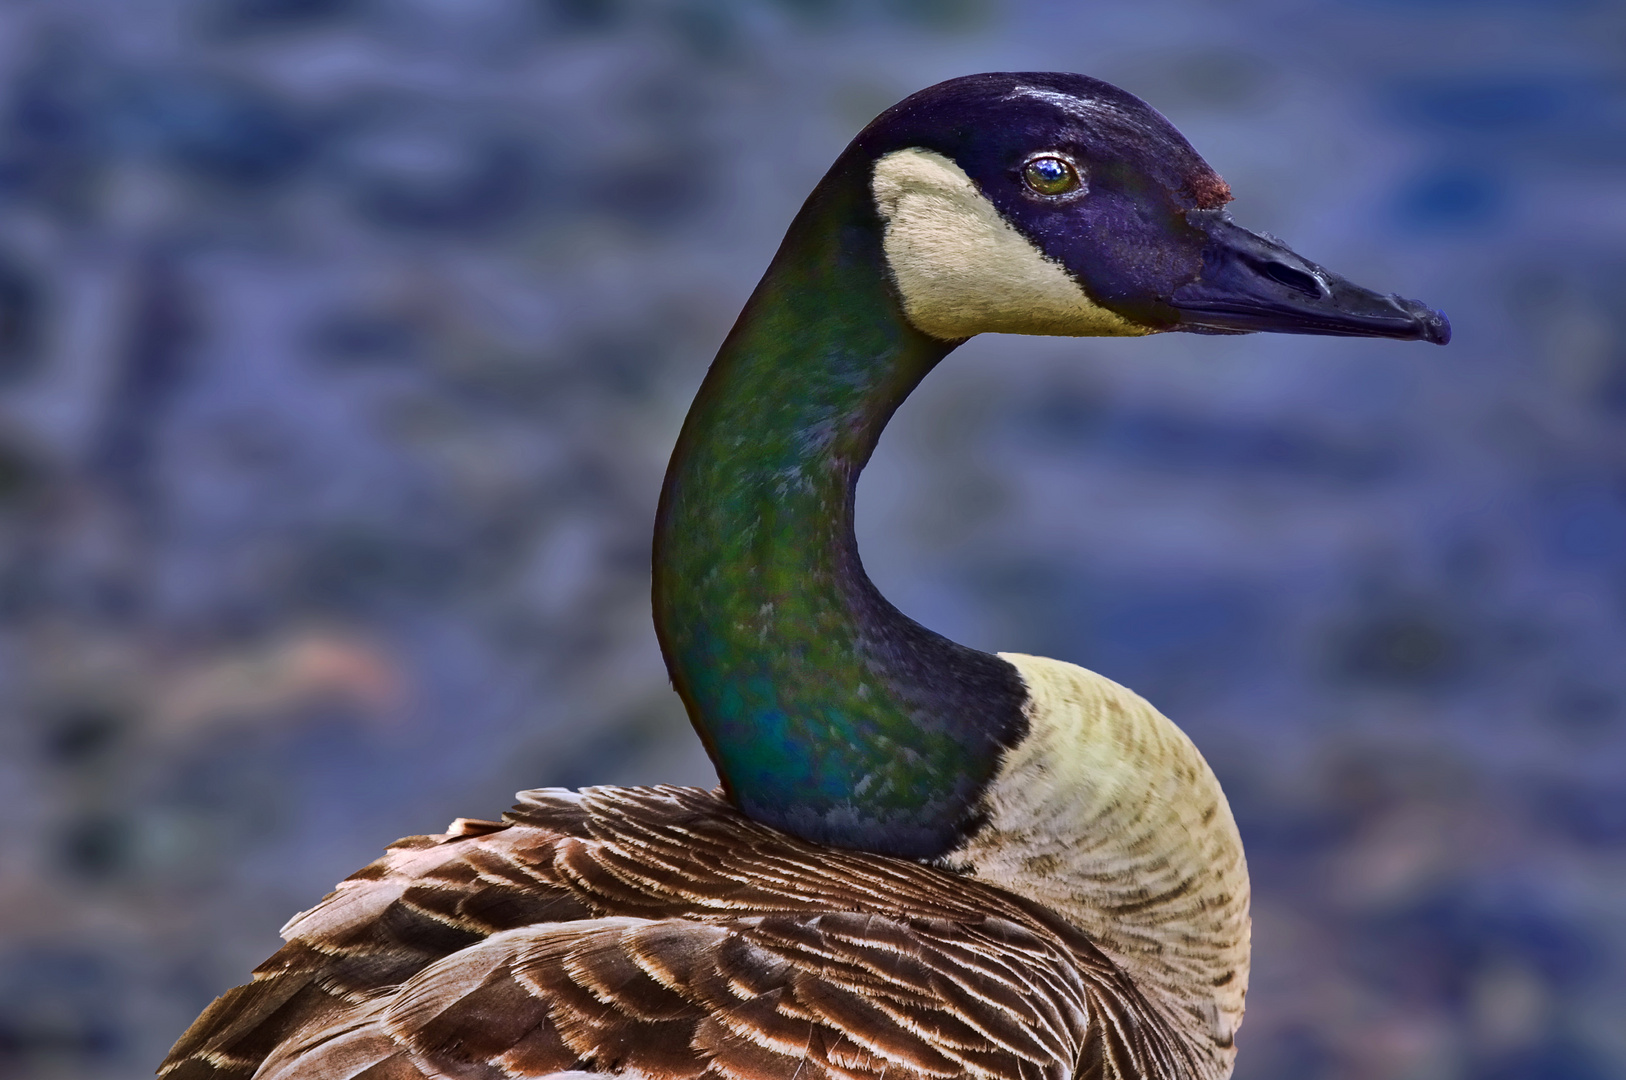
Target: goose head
(1040, 203)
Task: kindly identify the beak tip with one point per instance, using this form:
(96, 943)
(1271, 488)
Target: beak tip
(1432, 325)
(1439, 330)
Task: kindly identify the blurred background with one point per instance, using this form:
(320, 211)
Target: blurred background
(342, 343)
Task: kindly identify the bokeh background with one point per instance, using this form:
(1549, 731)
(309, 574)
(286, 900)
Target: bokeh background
(342, 344)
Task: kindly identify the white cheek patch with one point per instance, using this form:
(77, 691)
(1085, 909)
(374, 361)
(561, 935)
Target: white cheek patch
(962, 269)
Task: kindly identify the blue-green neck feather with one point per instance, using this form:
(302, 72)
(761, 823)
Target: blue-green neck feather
(827, 712)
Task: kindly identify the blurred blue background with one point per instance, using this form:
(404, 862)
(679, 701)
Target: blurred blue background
(342, 343)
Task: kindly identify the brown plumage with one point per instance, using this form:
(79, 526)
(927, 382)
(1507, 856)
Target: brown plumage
(658, 932)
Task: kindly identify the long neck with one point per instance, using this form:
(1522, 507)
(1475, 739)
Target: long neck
(827, 712)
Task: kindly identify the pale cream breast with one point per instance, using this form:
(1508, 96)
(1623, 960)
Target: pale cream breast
(1108, 814)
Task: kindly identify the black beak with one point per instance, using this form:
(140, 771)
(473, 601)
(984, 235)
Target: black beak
(1250, 283)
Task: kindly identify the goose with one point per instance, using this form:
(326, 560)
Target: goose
(924, 861)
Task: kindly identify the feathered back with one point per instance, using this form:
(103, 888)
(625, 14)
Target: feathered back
(659, 932)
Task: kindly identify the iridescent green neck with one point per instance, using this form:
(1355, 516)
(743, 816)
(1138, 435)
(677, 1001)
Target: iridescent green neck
(827, 712)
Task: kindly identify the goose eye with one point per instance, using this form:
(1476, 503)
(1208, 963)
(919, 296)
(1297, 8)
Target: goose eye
(1051, 174)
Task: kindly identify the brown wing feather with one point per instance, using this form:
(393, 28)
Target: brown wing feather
(656, 930)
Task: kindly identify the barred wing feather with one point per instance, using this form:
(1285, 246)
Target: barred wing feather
(656, 933)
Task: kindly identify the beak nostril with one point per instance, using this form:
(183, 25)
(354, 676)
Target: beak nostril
(1293, 278)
